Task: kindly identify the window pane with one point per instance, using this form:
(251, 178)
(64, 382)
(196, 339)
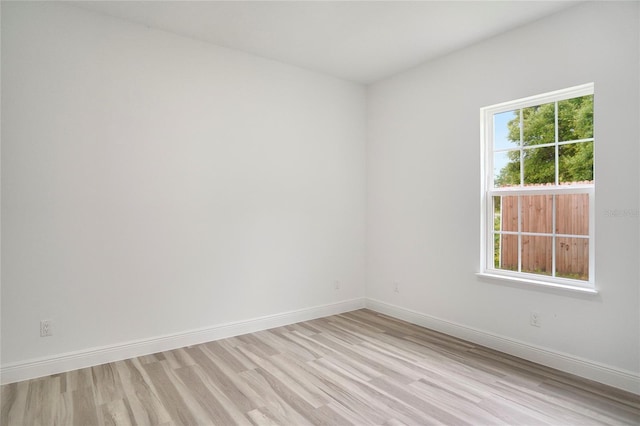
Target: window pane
(497, 227)
(572, 214)
(539, 166)
(537, 213)
(506, 130)
(506, 169)
(497, 217)
(509, 213)
(537, 254)
(575, 118)
(576, 162)
(572, 258)
(539, 124)
(496, 251)
(506, 252)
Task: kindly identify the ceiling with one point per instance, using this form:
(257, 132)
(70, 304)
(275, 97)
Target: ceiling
(361, 41)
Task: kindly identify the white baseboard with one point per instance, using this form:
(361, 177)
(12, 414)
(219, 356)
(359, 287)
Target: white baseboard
(33, 368)
(621, 379)
(46, 366)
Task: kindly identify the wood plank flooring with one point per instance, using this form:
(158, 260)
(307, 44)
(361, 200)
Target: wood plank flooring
(357, 368)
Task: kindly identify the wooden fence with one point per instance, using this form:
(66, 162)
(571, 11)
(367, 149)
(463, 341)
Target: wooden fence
(572, 217)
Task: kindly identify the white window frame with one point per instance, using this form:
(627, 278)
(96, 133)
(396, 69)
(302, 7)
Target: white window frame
(487, 266)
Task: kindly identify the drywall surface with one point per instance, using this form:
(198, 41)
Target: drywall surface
(423, 180)
(153, 184)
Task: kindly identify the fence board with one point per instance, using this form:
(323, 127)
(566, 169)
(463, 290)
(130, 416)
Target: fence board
(572, 217)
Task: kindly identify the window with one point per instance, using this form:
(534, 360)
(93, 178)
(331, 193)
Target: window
(538, 189)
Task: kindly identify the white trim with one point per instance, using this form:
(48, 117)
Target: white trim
(622, 379)
(45, 366)
(525, 278)
(557, 95)
(543, 190)
(34, 368)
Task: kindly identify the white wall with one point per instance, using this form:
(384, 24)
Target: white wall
(423, 178)
(153, 184)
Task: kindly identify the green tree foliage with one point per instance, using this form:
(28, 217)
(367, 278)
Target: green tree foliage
(575, 122)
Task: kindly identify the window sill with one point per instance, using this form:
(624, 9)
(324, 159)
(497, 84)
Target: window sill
(518, 280)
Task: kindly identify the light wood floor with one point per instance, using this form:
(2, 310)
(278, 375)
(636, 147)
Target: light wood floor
(357, 368)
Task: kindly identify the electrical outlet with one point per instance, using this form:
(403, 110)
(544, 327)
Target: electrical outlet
(336, 284)
(46, 328)
(534, 319)
(396, 287)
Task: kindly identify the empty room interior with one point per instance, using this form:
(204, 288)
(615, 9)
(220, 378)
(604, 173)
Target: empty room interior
(320, 212)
